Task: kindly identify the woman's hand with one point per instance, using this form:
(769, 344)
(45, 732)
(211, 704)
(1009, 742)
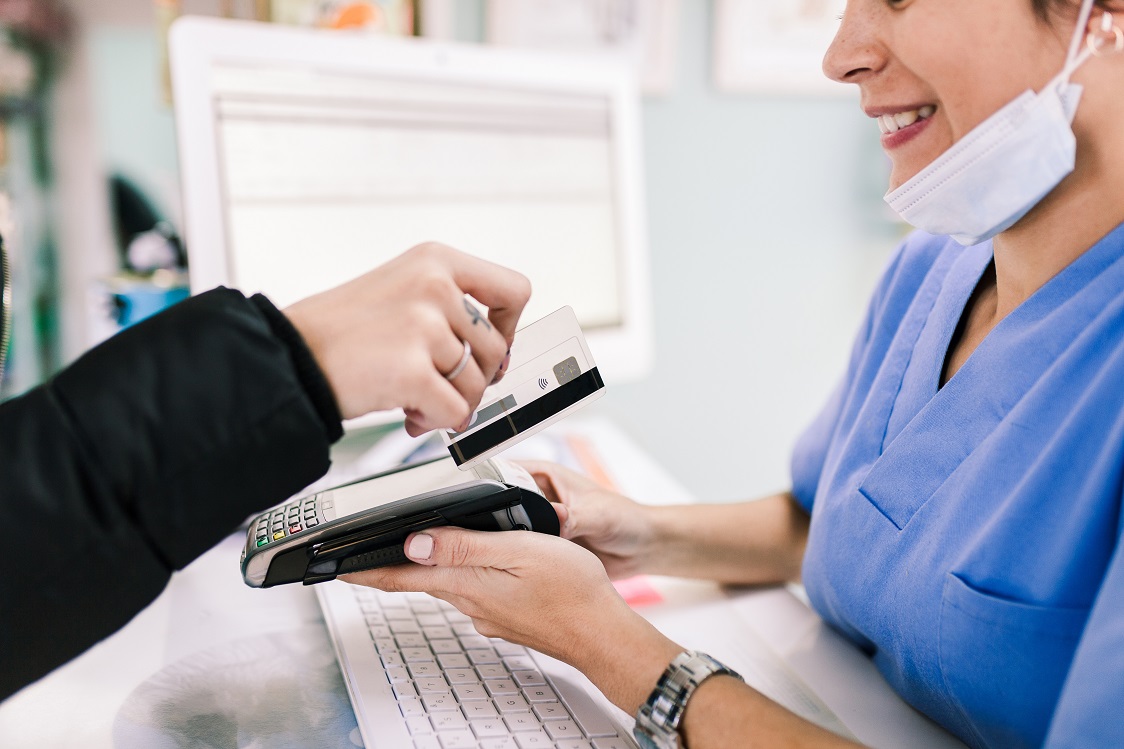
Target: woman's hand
(540, 591)
(389, 338)
(615, 528)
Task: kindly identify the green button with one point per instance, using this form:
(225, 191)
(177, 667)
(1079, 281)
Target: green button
(263, 541)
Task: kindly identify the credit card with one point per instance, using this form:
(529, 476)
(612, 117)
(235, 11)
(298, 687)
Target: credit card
(551, 374)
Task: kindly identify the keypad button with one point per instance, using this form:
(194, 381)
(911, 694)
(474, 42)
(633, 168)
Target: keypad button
(295, 529)
(262, 541)
(278, 535)
(310, 522)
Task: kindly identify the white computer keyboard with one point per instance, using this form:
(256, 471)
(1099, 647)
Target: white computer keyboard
(455, 688)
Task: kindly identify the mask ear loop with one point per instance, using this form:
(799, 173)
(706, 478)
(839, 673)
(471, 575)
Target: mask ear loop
(1078, 34)
(1109, 32)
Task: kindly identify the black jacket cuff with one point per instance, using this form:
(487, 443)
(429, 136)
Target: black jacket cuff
(308, 371)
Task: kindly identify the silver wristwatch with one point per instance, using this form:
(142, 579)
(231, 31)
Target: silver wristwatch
(657, 722)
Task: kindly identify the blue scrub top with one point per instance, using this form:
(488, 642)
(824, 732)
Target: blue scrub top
(968, 536)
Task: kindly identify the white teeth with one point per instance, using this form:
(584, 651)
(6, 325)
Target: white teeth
(892, 123)
(905, 119)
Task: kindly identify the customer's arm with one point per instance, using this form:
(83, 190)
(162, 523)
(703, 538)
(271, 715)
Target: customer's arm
(137, 458)
(155, 445)
(755, 542)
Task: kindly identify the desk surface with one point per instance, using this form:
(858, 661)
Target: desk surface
(256, 668)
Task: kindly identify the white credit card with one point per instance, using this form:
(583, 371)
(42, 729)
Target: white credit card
(551, 374)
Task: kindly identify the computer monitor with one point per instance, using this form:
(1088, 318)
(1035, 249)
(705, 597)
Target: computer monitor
(308, 157)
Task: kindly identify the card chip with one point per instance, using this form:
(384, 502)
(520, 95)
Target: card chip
(567, 370)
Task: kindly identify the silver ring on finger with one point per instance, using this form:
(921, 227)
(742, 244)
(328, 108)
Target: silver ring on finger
(455, 372)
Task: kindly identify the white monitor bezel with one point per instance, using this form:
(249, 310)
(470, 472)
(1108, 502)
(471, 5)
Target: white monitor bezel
(196, 44)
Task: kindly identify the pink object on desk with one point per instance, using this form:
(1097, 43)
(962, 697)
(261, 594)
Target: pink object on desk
(638, 591)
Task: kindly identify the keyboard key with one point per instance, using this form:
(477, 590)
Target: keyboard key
(435, 685)
(484, 709)
(498, 687)
(498, 743)
(453, 660)
(563, 729)
(464, 629)
(457, 740)
(521, 722)
(528, 678)
(461, 676)
(512, 703)
(505, 648)
(470, 692)
(436, 703)
(379, 631)
(540, 694)
(402, 614)
(386, 645)
(419, 669)
(517, 662)
(419, 725)
(492, 671)
(393, 659)
(427, 742)
(475, 642)
(397, 674)
(436, 633)
(612, 742)
(573, 744)
(410, 706)
(449, 721)
(482, 657)
(537, 740)
(489, 727)
(403, 626)
(404, 689)
(432, 620)
(411, 640)
(427, 606)
(445, 646)
(417, 654)
(551, 711)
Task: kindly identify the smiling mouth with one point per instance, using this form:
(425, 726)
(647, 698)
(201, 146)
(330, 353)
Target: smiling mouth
(892, 123)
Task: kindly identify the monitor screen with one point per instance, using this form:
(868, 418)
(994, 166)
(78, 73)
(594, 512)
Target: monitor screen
(309, 157)
(327, 173)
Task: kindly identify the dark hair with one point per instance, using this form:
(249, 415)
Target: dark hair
(1043, 7)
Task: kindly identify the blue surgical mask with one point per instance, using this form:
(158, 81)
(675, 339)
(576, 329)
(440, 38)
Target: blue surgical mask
(995, 174)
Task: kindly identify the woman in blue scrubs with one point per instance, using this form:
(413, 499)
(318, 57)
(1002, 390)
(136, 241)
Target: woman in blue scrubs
(956, 507)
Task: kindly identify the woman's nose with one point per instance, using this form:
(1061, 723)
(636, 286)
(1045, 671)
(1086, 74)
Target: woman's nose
(855, 52)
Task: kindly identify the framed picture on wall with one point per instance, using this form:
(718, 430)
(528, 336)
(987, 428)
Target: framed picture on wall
(775, 46)
(644, 30)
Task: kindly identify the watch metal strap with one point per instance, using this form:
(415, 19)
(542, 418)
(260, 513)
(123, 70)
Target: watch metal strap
(657, 722)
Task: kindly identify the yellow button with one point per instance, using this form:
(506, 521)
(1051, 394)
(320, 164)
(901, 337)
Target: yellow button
(278, 535)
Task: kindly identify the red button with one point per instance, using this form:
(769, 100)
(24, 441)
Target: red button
(295, 529)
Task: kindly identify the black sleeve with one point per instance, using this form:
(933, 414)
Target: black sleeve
(141, 455)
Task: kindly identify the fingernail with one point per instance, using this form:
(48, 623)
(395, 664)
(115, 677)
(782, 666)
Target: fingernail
(421, 547)
(503, 368)
(464, 426)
